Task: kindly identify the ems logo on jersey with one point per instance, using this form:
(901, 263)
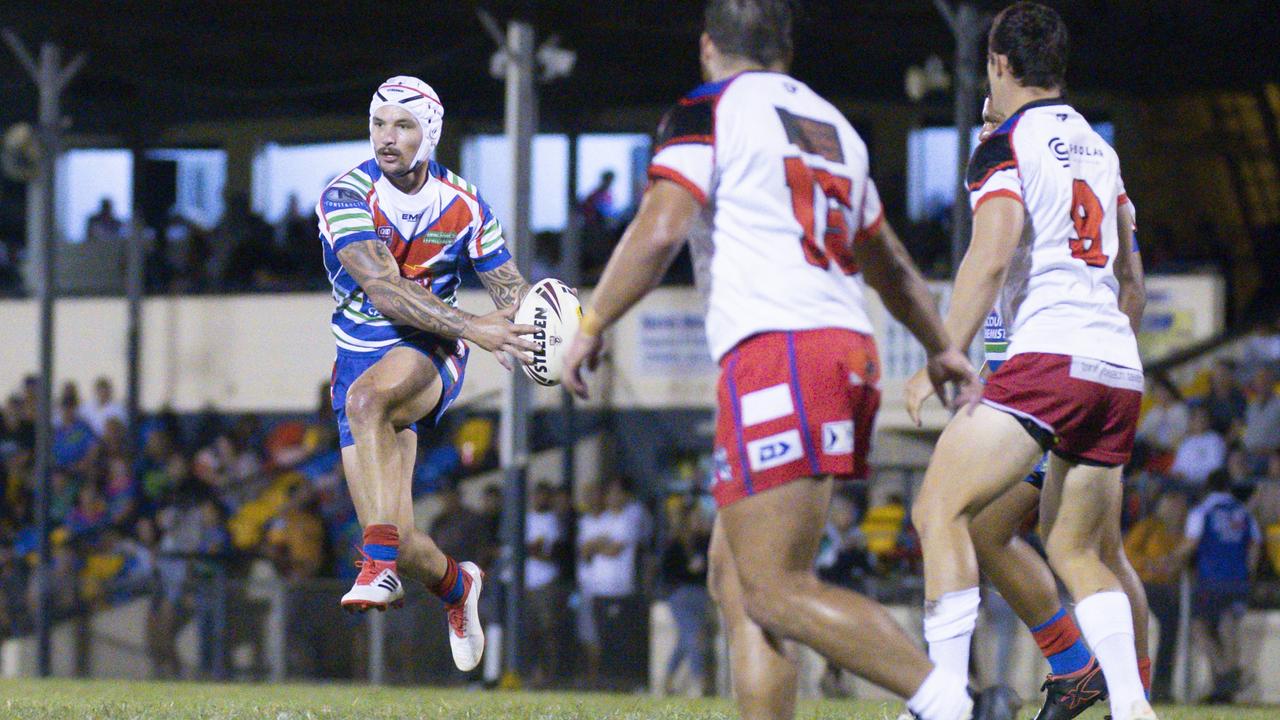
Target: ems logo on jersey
(775, 450)
(384, 233)
(837, 437)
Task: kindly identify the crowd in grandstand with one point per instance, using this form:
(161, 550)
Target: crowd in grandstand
(192, 497)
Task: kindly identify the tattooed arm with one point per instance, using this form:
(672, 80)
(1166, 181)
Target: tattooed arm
(506, 285)
(407, 303)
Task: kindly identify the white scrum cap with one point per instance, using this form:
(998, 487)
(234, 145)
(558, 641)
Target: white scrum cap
(410, 93)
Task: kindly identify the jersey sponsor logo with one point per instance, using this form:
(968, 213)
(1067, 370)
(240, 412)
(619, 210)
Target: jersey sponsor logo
(768, 404)
(1103, 373)
(411, 217)
(384, 233)
(438, 237)
(1060, 151)
(342, 195)
(770, 452)
(837, 437)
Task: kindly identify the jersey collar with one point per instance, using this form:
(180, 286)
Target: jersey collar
(1043, 102)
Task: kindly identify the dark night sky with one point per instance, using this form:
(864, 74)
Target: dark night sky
(161, 62)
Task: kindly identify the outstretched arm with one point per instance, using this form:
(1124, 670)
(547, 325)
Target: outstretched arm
(505, 284)
(405, 302)
(637, 265)
(888, 268)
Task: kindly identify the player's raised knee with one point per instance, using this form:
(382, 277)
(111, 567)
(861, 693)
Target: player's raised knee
(365, 404)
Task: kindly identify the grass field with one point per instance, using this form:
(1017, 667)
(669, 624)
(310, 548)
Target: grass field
(110, 700)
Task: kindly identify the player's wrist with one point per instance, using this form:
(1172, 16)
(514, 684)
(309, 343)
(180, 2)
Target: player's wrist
(591, 325)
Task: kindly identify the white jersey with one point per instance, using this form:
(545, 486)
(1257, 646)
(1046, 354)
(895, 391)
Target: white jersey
(1061, 295)
(783, 179)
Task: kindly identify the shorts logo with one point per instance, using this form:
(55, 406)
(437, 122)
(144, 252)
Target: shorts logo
(837, 437)
(775, 450)
(771, 403)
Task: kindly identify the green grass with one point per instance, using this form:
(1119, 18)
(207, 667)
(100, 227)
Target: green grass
(117, 700)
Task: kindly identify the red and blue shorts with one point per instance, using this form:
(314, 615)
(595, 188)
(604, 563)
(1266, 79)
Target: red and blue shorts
(793, 405)
(1082, 410)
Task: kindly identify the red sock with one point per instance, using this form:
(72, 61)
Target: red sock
(450, 587)
(1059, 639)
(1144, 671)
(382, 542)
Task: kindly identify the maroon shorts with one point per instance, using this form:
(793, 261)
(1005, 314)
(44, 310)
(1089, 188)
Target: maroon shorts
(792, 405)
(1083, 410)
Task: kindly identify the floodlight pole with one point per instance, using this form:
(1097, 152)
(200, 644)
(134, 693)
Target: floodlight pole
(521, 123)
(966, 25)
(51, 79)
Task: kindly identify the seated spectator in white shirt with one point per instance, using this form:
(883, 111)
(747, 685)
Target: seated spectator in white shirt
(103, 408)
(1202, 451)
(1165, 422)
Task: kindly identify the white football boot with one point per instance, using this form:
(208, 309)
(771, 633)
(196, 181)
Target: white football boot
(466, 634)
(377, 587)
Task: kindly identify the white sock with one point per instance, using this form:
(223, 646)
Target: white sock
(1106, 621)
(948, 628)
(942, 696)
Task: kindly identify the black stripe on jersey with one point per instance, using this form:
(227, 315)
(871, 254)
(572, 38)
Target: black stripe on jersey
(993, 155)
(812, 136)
(691, 121)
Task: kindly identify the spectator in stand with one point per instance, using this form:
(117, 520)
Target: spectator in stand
(74, 444)
(684, 573)
(1225, 401)
(1165, 422)
(1265, 503)
(1261, 434)
(1202, 451)
(457, 530)
(590, 522)
(542, 591)
(1226, 542)
(103, 225)
(103, 408)
(89, 516)
(612, 548)
(1149, 545)
(1262, 349)
(842, 557)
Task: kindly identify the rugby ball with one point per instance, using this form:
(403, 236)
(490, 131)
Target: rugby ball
(553, 308)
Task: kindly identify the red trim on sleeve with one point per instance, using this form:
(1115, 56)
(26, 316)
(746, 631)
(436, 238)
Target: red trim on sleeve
(663, 172)
(871, 229)
(995, 194)
(1122, 199)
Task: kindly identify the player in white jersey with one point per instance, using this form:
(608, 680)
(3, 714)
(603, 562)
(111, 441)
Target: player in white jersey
(1018, 572)
(1044, 190)
(396, 231)
(770, 184)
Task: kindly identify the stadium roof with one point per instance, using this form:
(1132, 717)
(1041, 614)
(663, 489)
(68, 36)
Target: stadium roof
(156, 63)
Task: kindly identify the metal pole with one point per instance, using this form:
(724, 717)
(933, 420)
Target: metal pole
(571, 274)
(134, 267)
(966, 26)
(50, 79)
(521, 121)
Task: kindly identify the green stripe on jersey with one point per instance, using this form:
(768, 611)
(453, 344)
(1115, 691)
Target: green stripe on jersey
(345, 214)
